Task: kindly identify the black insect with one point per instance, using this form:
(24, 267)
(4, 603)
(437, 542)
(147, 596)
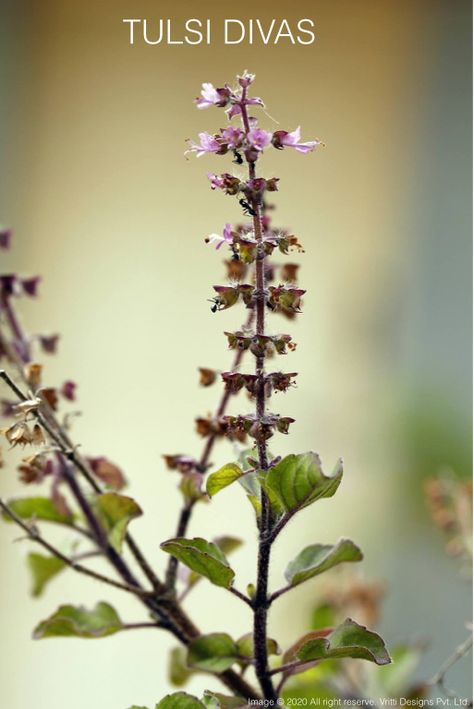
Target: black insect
(238, 159)
(248, 211)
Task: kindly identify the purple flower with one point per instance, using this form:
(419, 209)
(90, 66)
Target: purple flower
(256, 187)
(236, 109)
(209, 97)
(259, 138)
(68, 390)
(246, 79)
(208, 144)
(226, 237)
(254, 101)
(233, 136)
(283, 139)
(9, 284)
(49, 343)
(30, 285)
(217, 183)
(225, 182)
(5, 238)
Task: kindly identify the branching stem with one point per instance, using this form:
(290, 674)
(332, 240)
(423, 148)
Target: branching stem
(242, 597)
(168, 613)
(440, 676)
(35, 536)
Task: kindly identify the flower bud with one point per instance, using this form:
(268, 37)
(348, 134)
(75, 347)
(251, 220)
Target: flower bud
(246, 79)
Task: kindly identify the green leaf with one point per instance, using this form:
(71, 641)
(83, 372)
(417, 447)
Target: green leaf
(203, 557)
(256, 504)
(40, 508)
(222, 478)
(190, 488)
(317, 558)
(178, 671)
(252, 484)
(115, 512)
(215, 652)
(298, 480)
(347, 640)
(245, 646)
(180, 700)
(313, 676)
(80, 622)
(43, 569)
(226, 544)
(215, 700)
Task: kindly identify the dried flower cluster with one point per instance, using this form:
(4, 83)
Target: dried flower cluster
(450, 504)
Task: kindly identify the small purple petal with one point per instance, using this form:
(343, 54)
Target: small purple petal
(259, 138)
(49, 343)
(68, 390)
(5, 238)
(30, 285)
(8, 284)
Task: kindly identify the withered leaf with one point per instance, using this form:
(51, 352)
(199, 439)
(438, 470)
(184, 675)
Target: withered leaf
(33, 373)
(108, 472)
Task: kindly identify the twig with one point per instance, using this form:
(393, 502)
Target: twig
(71, 454)
(35, 536)
(439, 678)
(280, 592)
(61, 438)
(278, 527)
(180, 626)
(288, 667)
(137, 626)
(16, 328)
(172, 567)
(240, 595)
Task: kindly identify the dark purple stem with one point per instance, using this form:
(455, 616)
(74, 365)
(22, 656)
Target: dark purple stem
(261, 595)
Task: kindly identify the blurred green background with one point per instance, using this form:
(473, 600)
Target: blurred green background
(105, 207)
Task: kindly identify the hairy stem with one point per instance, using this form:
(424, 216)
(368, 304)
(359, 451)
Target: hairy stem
(261, 594)
(172, 568)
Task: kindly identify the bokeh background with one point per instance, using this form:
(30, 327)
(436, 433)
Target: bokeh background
(105, 207)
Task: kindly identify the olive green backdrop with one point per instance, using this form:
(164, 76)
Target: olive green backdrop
(104, 205)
